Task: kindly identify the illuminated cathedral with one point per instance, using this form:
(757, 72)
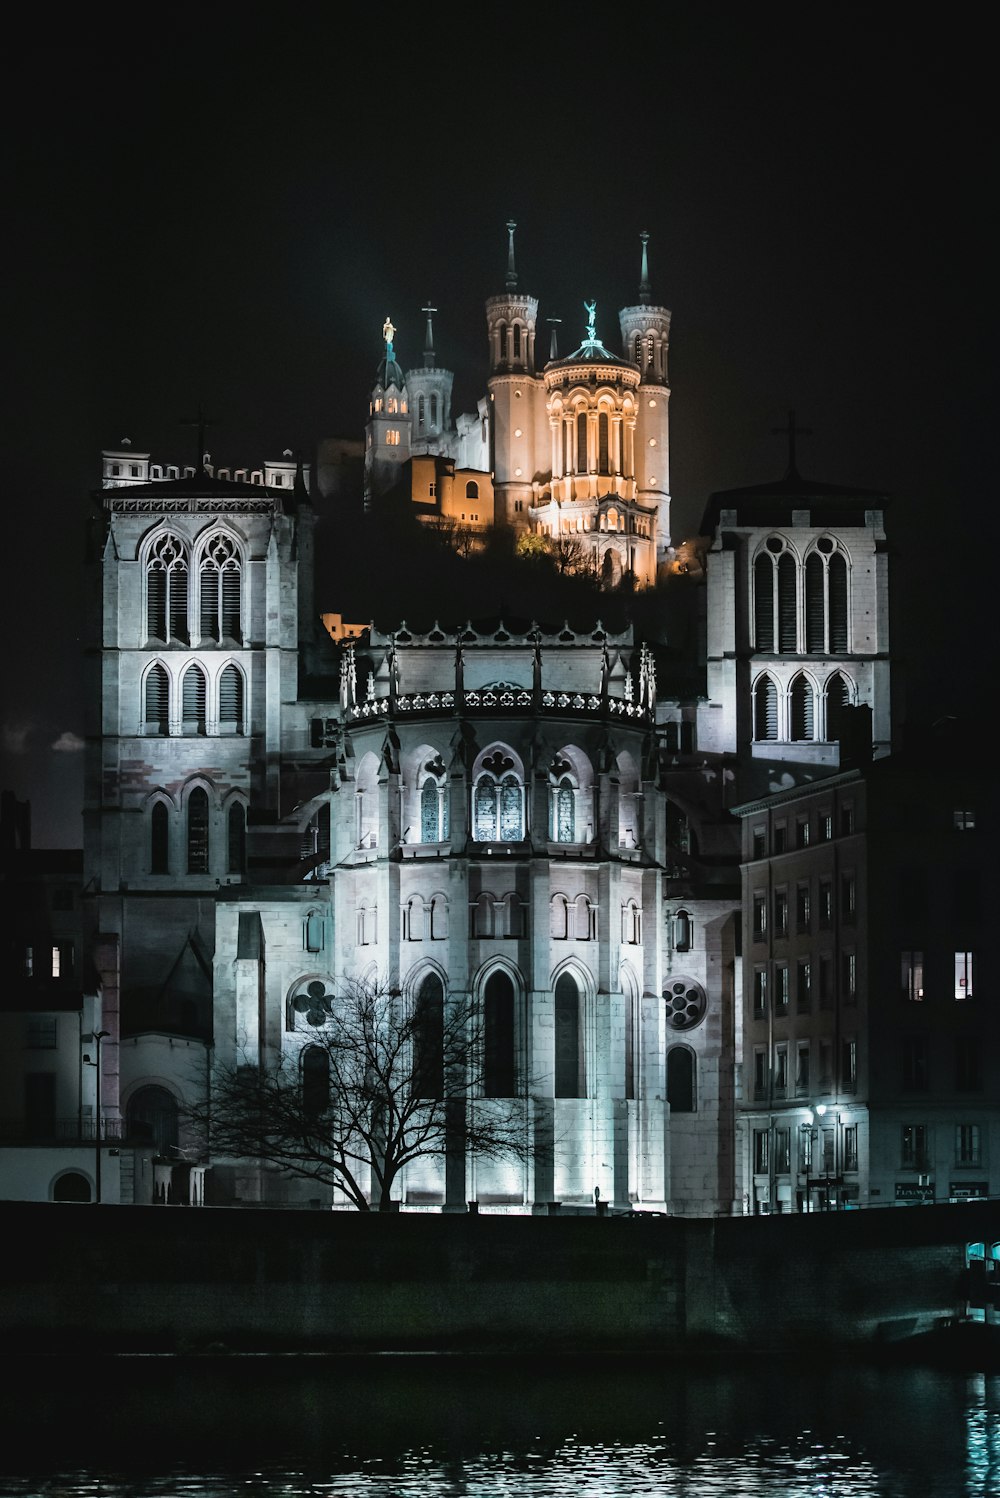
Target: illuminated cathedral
(519, 815)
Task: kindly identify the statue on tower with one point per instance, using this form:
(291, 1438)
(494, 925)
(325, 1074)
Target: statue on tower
(388, 333)
(591, 309)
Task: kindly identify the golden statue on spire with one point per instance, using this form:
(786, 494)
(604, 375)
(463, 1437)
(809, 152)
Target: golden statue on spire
(388, 331)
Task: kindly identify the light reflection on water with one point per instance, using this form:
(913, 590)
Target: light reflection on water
(433, 1428)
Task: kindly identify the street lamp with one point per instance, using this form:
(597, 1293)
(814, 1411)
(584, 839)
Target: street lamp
(99, 1035)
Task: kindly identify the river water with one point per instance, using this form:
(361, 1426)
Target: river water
(420, 1426)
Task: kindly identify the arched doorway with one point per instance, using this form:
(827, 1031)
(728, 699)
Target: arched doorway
(71, 1187)
(152, 1118)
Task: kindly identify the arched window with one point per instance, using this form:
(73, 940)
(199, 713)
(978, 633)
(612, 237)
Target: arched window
(433, 810)
(838, 603)
(765, 709)
(428, 1039)
(584, 919)
(787, 571)
(472, 490)
(581, 442)
(237, 839)
(815, 605)
(682, 931)
(680, 1079)
(167, 590)
(151, 1119)
(559, 918)
(367, 802)
(838, 696)
(420, 413)
(603, 461)
(570, 1070)
(564, 812)
(157, 705)
(439, 918)
(197, 831)
(219, 591)
(801, 709)
(498, 1036)
(159, 839)
(193, 699)
(502, 342)
(315, 1081)
(631, 1017)
(498, 802)
(231, 700)
(763, 603)
(517, 340)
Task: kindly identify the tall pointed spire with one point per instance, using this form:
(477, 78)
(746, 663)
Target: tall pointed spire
(429, 338)
(644, 291)
(511, 267)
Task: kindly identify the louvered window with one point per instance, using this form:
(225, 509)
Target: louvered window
(193, 698)
(197, 832)
(815, 606)
(167, 590)
(786, 602)
(837, 698)
(802, 709)
(581, 442)
(237, 840)
(763, 602)
(765, 702)
(159, 839)
(157, 700)
(837, 583)
(220, 592)
(231, 700)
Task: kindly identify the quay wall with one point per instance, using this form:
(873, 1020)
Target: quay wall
(80, 1278)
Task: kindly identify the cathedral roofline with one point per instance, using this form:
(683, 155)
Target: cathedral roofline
(774, 503)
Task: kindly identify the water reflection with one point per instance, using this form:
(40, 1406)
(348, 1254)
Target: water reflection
(410, 1428)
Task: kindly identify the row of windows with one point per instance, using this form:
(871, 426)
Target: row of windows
(196, 854)
(805, 830)
(911, 976)
(780, 1081)
(804, 713)
(493, 916)
(801, 608)
(189, 706)
(503, 1033)
(915, 1151)
(814, 982)
(805, 913)
(194, 598)
(816, 1152)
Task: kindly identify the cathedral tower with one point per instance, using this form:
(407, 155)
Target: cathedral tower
(388, 433)
(645, 331)
(518, 426)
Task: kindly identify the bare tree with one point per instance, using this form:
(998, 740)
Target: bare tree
(380, 1081)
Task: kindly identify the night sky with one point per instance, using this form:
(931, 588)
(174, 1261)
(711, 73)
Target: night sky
(227, 214)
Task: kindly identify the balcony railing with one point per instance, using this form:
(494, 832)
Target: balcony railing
(60, 1131)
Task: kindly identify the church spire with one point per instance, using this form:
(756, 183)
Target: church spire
(553, 323)
(511, 267)
(644, 289)
(429, 357)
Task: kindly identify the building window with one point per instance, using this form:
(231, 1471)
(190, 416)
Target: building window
(159, 839)
(913, 1147)
(967, 1145)
(765, 709)
(801, 705)
(682, 931)
(825, 828)
(805, 1148)
(802, 1068)
(472, 489)
(914, 1063)
(964, 819)
(759, 992)
(193, 700)
(912, 976)
(825, 982)
(782, 1152)
(781, 987)
(498, 1036)
(760, 1073)
(825, 904)
(433, 810)
(231, 700)
(849, 1065)
(219, 583)
(781, 1071)
(780, 837)
(803, 978)
(564, 812)
(428, 1039)
(759, 915)
(498, 803)
(315, 1081)
(850, 1146)
(849, 977)
(167, 590)
(803, 908)
(197, 832)
(157, 701)
(570, 1072)
(760, 1152)
(781, 912)
(236, 849)
(681, 1079)
(848, 894)
(846, 821)
(963, 975)
(392, 437)
(631, 924)
(686, 1003)
(41, 1033)
(759, 843)
(802, 832)
(825, 1065)
(968, 1063)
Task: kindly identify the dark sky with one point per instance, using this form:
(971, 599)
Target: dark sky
(227, 213)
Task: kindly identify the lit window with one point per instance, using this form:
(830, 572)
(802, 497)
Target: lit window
(760, 1152)
(781, 986)
(912, 976)
(963, 975)
(849, 1065)
(849, 976)
(498, 803)
(804, 984)
(782, 1151)
(759, 915)
(850, 1147)
(965, 820)
(759, 992)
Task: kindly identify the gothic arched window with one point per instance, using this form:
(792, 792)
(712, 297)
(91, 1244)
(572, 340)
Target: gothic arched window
(197, 831)
(801, 709)
(193, 699)
(237, 838)
(838, 603)
(581, 442)
(815, 605)
(765, 709)
(428, 1039)
(167, 590)
(159, 839)
(570, 1070)
(680, 1079)
(433, 810)
(564, 812)
(157, 704)
(838, 697)
(219, 582)
(498, 802)
(315, 1081)
(787, 573)
(498, 1036)
(231, 700)
(763, 603)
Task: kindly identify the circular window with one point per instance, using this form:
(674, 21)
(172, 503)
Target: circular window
(686, 1003)
(315, 1000)
(824, 544)
(775, 544)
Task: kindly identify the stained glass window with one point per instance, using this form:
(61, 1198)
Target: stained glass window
(486, 811)
(511, 821)
(429, 812)
(565, 818)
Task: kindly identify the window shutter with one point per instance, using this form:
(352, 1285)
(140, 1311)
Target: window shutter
(838, 604)
(157, 701)
(786, 601)
(815, 611)
(763, 602)
(231, 700)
